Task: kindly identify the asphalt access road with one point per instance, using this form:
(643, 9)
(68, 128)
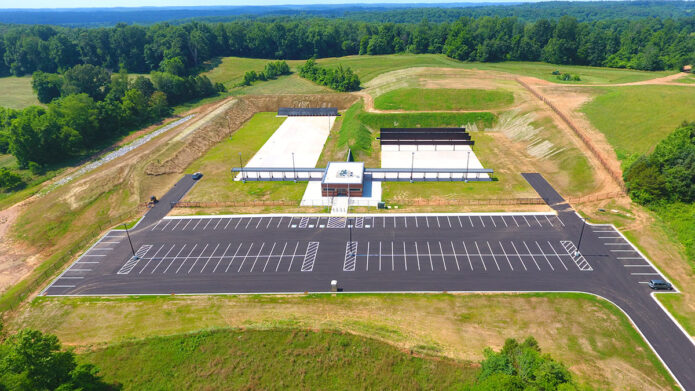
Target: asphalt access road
(377, 253)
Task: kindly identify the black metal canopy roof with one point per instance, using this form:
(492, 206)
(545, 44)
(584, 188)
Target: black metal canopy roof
(308, 111)
(431, 136)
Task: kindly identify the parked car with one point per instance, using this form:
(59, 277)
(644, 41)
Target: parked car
(197, 176)
(660, 285)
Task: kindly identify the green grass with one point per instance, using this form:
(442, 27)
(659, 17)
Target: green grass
(368, 67)
(588, 334)
(635, 118)
(425, 120)
(589, 75)
(17, 92)
(218, 183)
(353, 134)
(679, 219)
(673, 302)
(273, 360)
(290, 84)
(425, 99)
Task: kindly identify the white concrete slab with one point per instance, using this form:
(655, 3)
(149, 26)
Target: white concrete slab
(303, 136)
(430, 156)
(312, 195)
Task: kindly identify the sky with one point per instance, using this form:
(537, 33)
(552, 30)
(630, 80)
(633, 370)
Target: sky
(164, 3)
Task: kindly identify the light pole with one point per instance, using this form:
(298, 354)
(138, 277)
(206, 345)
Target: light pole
(412, 166)
(241, 166)
(131, 243)
(468, 157)
(294, 170)
(579, 242)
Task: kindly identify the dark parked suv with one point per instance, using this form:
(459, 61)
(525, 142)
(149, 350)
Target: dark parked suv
(660, 284)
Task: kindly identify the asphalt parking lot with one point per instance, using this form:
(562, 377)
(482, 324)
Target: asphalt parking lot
(376, 253)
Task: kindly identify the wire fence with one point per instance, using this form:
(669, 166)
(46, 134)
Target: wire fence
(595, 197)
(599, 155)
(13, 297)
(356, 202)
(488, 201)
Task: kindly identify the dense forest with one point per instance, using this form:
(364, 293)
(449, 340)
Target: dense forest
(395, 13)
(648, 44)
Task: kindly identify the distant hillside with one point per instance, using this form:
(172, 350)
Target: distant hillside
(375, 13)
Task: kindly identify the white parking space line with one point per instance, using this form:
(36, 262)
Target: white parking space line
(367, 256)
(233, 258)
(244, 259)
(161, 260)
(622, 251)
(206, 224)
(525, 219)
(558, 256)
(637, 265)
(150, 260)
(293, 255)
(504, 221)
(196, 260)
(257, 256)
(460, 223)
(438, 225)
(481, 221)
(269, 221)
(427, 220)
(227, 225)
(515, 222)
(645, 274)
(177, 224)
(196, 225)
(405, 258)
(480, 255)
(429, 252)
(493, 256)
(549, 222)
(616, 244)
(530, 254)
(282, 254)
(467, 255)
(247, 224)
(87, 262)
(609, 237)
(184, 227)
(270, 255)
(453, 250)
(538, 221)
(210, 257)
(393, 264)
(545, 256)
(380, 255)
(259, 222)
(279, 221)
(506, 256)
(222, 257)
(448, 221)
(417, 256)
(441, 250)
(519, 256)
(416, 223)
(159, 222)
(218, 223)
(172, 261)
(629, 257)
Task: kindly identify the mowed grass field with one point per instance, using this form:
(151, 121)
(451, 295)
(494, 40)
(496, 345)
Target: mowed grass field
(218, 182)
(426, 99)
(17, 92)
(273, 360)
(635, 118)
(591, 336)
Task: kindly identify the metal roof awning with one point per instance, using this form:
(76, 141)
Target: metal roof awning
(308, 112)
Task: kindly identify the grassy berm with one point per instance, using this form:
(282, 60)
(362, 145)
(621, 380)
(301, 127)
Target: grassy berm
(273, 360)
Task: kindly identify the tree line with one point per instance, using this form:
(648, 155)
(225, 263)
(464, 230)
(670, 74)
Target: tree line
(647, 43)
(86, 107)
(271, 71)
(338, 78)
(668, 173)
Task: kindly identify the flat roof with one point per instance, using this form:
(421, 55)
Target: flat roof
(308, 111)
(343, 173)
